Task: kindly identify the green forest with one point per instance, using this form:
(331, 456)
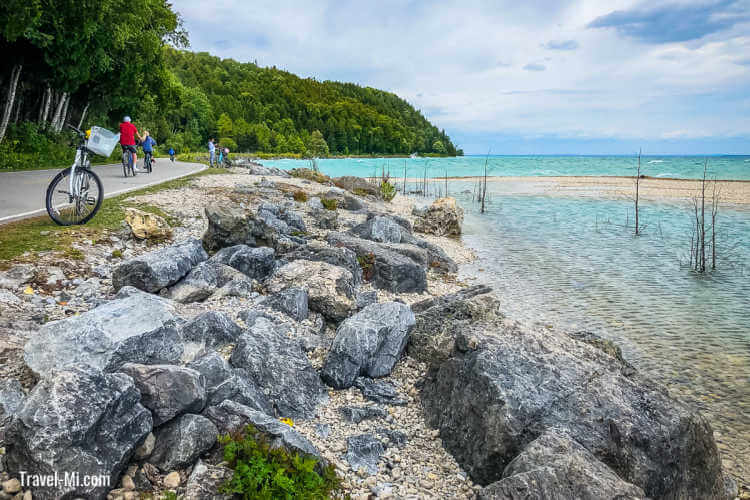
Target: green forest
(91, 62)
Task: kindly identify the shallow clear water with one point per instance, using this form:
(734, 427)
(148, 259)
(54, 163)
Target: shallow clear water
(686, 167)
(571, 263)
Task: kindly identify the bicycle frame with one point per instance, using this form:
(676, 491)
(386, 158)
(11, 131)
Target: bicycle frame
(74, 188)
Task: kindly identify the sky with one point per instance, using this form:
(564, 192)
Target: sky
(529, 77)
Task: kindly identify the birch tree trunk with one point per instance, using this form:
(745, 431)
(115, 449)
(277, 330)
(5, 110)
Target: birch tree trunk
(58, 111)
(47, 104)
(83, 115)
(15, 75)
(64, 114)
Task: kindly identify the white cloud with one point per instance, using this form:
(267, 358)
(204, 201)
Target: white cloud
(480, 67)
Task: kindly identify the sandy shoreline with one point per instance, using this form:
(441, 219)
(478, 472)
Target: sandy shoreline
(651, 188)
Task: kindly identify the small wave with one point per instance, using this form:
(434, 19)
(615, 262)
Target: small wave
(667, 174)
(656, 161)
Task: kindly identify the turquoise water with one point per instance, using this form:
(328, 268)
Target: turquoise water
(687, 167)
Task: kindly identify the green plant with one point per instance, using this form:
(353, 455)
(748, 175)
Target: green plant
(300, 196)
(329, 204)
(387, 191)
(263, 472)
(367, 263)
(360, 192)
(117, 254)
(310, 175)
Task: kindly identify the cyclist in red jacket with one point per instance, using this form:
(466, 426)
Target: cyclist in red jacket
(127, 137)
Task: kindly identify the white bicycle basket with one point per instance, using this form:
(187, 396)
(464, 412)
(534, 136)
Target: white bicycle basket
(102, 141)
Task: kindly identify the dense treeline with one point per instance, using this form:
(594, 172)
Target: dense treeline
(91, 62)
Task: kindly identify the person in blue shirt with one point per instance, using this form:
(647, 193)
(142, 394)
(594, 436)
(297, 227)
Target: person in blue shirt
(147, 144)
(211, 152)
(171, 154)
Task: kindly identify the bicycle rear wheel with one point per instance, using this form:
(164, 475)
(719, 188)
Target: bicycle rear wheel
(125, 161)
(68, 209)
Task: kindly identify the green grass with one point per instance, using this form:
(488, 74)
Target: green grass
(25, 235)
(329, 204)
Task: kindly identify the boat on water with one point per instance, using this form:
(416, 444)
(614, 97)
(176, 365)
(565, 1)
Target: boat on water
(413, 155)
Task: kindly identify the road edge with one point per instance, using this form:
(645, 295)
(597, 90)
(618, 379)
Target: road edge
(25, 215)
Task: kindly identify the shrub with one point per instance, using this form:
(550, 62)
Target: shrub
(329, 203)
(300, 196)
(367, 263)
(261, 471)
(387, 191)
(310, 175)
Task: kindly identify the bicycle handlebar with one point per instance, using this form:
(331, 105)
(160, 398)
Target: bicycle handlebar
(82, 134)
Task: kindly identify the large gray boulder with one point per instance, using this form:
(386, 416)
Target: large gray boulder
(443, 218)
(203, 281)
(231, 417)
(357, 185)
(336, 256)
(223, 382)
(227, 226)
(11, 398)
(182, 441)
(211, 329)
(256, 263)
(555, 466)
(330, 289)
(383, 266)
(363, 453)
(77, 420)
(440, 320)
(369, 343)
(161, 268)
(138, 328)
(168, 390)
(277, 365)
(500, 391)
(381, 229)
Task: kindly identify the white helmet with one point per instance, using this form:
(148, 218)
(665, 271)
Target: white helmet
(126, 119)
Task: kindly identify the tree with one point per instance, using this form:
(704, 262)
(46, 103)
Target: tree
(225, 126)
(438, 147)
(318, 146)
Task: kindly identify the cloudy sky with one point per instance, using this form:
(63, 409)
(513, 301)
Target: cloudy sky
(515, 77)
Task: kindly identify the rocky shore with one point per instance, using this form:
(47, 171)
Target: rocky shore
(333, 322)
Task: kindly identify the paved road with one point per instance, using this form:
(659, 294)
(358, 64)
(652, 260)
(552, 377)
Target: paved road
(22, 193)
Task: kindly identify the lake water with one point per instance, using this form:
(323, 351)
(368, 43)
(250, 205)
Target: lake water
(569, 262)
(685, 167)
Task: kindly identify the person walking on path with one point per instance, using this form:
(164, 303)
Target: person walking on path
(171, 154)
(211, 152)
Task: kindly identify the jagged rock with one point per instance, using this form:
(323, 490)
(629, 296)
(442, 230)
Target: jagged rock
(226, 383)
(291, 301)
(443, 218)
(81, 420)
(202, 281)
(363, 452)
(276, 364)
(293, 220)
(380, 228)
(384, 267)
(139, 328)
(256, 263)
(490, 402)
(18, 275)
(231, 417)
(419, 210)
(356, 185)
(330, 288)
(205, 480)
(144, 450)
(168, 390)
(365, 299)
(227, 226)
(146, 225)
(395, 438)
(344, 200)
(11, 396)
(379, 391)
(159, 269)
(181, 441)
(268, 216)
(440, 320)
(315, 204)
(327, 219)
(254, 168)
(369, 343)
(240, 287)
(336, 256)
(401, 221)
(357, 414)
(555, 466)
(211, 329)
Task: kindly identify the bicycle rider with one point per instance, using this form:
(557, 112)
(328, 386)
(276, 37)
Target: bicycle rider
(127, 138)
(147, 143)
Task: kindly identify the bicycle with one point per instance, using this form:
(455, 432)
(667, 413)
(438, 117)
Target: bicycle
(128, 164)
(147, 161)
(75, 195)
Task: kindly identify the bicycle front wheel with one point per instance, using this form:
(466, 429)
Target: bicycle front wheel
(68, 207)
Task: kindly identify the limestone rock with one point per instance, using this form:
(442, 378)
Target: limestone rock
(330, 288)
(555, 466)
(255, 263)
(145, 225)
(139, 328)
(357, 185)
(202, 281)
(168, 390)
(79, 418)
(443, 218)
(16, 276)
(211, 329)
(357, 414)
(490, 402)
(380, 391)
(363, 452)
(276, 364)
(291, 301)
(369, 343)
(182, 440)
(159, 269)
(336, 256)
(227, 226)
(205, 480)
